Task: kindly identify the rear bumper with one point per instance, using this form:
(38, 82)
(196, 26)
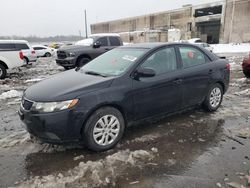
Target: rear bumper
(67, 62)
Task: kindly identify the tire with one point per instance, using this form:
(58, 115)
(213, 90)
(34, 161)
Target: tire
(3, 72)
(26, 60)
(247, 74)
(214, 98)
(66, 68)
(47, 54)
(96, 125)
(83, 61)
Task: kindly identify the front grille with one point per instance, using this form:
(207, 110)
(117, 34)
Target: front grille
(61, 54)
(27, 104)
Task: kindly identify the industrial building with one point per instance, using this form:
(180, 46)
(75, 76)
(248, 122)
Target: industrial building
(220, 22)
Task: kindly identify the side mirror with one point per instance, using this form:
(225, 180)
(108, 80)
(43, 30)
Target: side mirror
(97, 44)
(144, 73)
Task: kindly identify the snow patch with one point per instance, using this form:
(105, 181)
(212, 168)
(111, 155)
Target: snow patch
(34, 80)
(10, 94)
(93, 173)
(245, 92)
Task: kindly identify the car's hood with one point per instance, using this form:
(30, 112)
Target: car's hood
(74, 48)
(65, 86)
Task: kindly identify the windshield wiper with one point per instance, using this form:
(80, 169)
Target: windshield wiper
(95, 73)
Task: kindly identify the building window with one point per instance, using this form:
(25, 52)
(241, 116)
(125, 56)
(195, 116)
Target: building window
(208, 11)
(189, 26)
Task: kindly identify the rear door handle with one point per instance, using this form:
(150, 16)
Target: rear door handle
(178, 81)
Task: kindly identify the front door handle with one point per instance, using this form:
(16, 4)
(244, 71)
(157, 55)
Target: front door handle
(178, 81)
(210, 71)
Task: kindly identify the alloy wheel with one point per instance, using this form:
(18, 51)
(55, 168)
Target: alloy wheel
(106, 130)
(215, 97)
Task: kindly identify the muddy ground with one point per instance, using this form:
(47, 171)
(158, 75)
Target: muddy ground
(192, 149)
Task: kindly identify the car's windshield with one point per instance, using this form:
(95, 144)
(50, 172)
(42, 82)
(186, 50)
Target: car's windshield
(114, 62)
(85, 42)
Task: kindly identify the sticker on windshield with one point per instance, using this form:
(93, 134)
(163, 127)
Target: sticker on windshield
(129, 58)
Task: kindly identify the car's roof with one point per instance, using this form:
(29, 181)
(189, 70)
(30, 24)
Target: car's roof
(39, 45)
(105, 35)
(13, 41)
(153, 45)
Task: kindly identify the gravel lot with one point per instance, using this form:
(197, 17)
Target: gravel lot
(192, 149)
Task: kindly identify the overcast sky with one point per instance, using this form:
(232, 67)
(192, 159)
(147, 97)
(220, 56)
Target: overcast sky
(66, 17)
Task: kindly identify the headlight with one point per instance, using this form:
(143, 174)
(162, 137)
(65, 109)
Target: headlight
(71, 54)
(54, 106)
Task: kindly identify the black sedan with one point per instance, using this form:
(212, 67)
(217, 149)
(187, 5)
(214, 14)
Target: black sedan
(95, 103)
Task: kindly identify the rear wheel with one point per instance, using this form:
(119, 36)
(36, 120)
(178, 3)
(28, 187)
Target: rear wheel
(104, 129)
(214, 98)
(3, 72)
(247, 74)
(82, 61)
(47, 54)
(26, 60)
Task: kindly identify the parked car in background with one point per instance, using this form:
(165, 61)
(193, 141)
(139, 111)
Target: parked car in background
(43, 51)
(86, 50)
(55, 45)
(246, 66)
(194, 40)
(28, 52)
(95, 103)
(198, 42)
(205, 45)
(10, 57)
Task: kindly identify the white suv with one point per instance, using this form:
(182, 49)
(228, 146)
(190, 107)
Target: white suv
(10, 57)
(28, 52)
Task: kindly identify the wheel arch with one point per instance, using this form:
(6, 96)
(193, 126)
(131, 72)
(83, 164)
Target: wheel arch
(4, 64)
(222, 85)
(82, 56)
(112, 105)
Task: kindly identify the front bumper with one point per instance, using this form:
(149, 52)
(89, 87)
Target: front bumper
(57, 127)
(67, 62)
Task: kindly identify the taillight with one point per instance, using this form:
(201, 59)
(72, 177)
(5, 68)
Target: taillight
(228, 67)
(33, 52)
(21, 55)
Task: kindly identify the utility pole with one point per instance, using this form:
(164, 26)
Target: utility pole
(86, 25)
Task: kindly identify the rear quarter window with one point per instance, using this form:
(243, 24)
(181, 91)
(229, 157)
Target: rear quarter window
(192, 57)
(114, 41)
(22, 47)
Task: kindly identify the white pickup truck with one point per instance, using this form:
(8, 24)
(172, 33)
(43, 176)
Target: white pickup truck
(10, 57)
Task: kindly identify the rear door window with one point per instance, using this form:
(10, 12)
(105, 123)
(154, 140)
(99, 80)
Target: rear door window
(192, 57)
(22, 47)
(6, 46)
(39, 48)
(103, 41)
(114, 41)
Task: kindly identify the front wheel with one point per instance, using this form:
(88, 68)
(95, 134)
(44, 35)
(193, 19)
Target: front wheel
(214, 98)
(47, 54)
(3, 72)
(104, 129)
(83, 61)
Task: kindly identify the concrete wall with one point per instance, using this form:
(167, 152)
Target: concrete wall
(160, 21)
(237, 21)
